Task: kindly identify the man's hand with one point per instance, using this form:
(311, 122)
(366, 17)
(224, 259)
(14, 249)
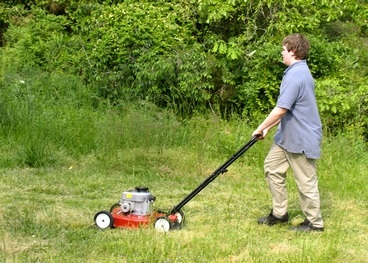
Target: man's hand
(261, 134)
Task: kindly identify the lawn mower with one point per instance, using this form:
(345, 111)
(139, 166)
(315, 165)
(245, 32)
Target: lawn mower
(135, 208)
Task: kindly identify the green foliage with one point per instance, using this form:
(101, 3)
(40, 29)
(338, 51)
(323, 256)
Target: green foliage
(147, 51)
(343, 106)
(41, 39)
(193, 57)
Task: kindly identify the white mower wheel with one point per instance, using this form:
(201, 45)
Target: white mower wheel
(162, 224)
(180, 217)
(104, 220)
(179, 223)
(116, 205)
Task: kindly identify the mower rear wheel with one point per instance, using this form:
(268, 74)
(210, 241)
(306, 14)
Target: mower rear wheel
(116, 205)
(162, 224)
(179, 221)
(104, 220)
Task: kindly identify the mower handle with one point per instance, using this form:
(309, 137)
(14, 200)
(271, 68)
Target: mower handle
(222, 169)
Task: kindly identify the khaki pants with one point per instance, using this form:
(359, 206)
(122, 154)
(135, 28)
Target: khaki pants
(276, 164)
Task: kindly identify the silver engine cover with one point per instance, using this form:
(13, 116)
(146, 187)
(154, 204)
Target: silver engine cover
(137, 201)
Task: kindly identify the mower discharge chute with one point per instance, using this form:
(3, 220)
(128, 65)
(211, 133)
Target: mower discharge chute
(135, 208)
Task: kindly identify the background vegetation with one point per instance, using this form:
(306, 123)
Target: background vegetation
(97, 97)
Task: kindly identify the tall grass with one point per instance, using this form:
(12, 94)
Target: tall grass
(47, 119)
(64, 157)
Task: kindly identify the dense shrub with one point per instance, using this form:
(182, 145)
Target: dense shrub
(211, 55)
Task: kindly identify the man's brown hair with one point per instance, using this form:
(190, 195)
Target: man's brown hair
(297, 43)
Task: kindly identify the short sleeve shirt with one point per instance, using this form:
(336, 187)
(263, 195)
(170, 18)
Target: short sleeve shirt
(300, 129)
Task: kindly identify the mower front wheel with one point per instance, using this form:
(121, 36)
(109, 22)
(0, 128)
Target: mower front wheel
(163, 224)
(104, 220)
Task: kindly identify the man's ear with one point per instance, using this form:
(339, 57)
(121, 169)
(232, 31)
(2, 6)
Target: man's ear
(292, 53)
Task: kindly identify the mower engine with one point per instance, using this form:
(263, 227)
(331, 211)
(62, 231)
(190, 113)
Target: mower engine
(137, 202)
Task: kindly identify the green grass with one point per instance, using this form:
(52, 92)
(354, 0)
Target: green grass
(46, 214)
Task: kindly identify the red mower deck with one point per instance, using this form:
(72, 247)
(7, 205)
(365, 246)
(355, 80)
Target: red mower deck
(133, 221)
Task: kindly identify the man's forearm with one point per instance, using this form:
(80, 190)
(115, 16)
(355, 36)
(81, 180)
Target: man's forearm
(272, 119)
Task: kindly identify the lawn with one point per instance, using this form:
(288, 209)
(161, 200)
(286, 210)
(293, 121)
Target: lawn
(46, 214)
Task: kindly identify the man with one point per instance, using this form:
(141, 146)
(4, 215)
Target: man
(297, 139)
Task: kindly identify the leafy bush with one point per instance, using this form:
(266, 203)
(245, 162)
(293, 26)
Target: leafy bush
(147, 51)
(41, 39)
(189, 56)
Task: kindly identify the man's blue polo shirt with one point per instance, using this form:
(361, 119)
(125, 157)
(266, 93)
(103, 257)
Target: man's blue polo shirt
(300, 130)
